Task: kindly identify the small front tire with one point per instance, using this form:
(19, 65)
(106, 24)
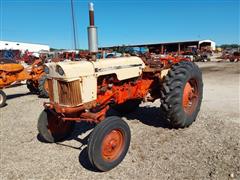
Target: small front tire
(53, 129)
(108, 143)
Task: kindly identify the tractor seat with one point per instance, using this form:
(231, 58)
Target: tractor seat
(11, 67)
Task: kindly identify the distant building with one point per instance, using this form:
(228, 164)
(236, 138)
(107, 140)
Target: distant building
(6, 45)
(171, 46)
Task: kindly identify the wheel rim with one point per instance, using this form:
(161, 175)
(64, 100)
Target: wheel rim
(190, 96)
(112, 145)
(57, 127)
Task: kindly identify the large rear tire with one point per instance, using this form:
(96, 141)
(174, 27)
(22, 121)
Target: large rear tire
(108, 143)
(43, 87)
(32, 87)
(181, 94)
(3, 98)
(53, 129)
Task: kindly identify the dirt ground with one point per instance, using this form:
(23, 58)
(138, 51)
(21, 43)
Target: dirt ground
(208, 149)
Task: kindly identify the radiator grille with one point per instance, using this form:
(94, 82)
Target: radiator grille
(69, 93)
(50, 89)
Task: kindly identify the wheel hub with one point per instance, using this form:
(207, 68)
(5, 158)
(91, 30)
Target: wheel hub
(190, 95)
(112, 145)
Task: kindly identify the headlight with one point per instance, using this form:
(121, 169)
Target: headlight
(46, 69)
(59, 70)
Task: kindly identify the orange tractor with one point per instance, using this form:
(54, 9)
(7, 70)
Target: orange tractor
(11, 72)
(86, 90)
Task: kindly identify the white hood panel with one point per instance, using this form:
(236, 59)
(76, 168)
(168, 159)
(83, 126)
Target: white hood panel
(72, 69)
(124, 68)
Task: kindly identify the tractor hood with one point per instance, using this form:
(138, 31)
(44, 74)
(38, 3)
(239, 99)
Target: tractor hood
(124, 68)
(71, 69)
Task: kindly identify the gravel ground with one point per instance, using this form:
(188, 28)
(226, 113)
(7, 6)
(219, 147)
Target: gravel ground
(208, 149)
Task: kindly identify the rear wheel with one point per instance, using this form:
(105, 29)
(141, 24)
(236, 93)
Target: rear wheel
(3, 98)
(181, 94)
(109, 143)
(52, 128)
(43, 87)
(32, 86)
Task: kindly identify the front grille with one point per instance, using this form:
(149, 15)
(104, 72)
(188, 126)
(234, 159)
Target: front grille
(69, 93)
(50, 89)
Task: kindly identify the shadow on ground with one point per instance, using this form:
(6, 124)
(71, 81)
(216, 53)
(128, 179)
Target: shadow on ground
(80, 128)
(151, 116)
(85, 162)
(12, 96)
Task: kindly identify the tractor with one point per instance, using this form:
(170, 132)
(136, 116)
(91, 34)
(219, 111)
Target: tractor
(85, 91)
(12, 72)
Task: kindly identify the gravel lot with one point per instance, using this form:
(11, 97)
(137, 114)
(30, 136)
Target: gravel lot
(209, 149)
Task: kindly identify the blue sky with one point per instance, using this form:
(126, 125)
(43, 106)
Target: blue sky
(120, 21)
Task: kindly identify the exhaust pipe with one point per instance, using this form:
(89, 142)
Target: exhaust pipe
(92, 32)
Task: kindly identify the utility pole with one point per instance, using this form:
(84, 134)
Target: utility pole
(74, 28)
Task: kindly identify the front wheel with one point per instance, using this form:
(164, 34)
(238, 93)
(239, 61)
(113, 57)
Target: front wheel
(108, 143)
(53, 128)
(3, 98)
(181, 94)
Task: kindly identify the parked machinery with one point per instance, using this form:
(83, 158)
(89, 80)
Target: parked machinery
(11, 72)
(232, 56)
(86, 90)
